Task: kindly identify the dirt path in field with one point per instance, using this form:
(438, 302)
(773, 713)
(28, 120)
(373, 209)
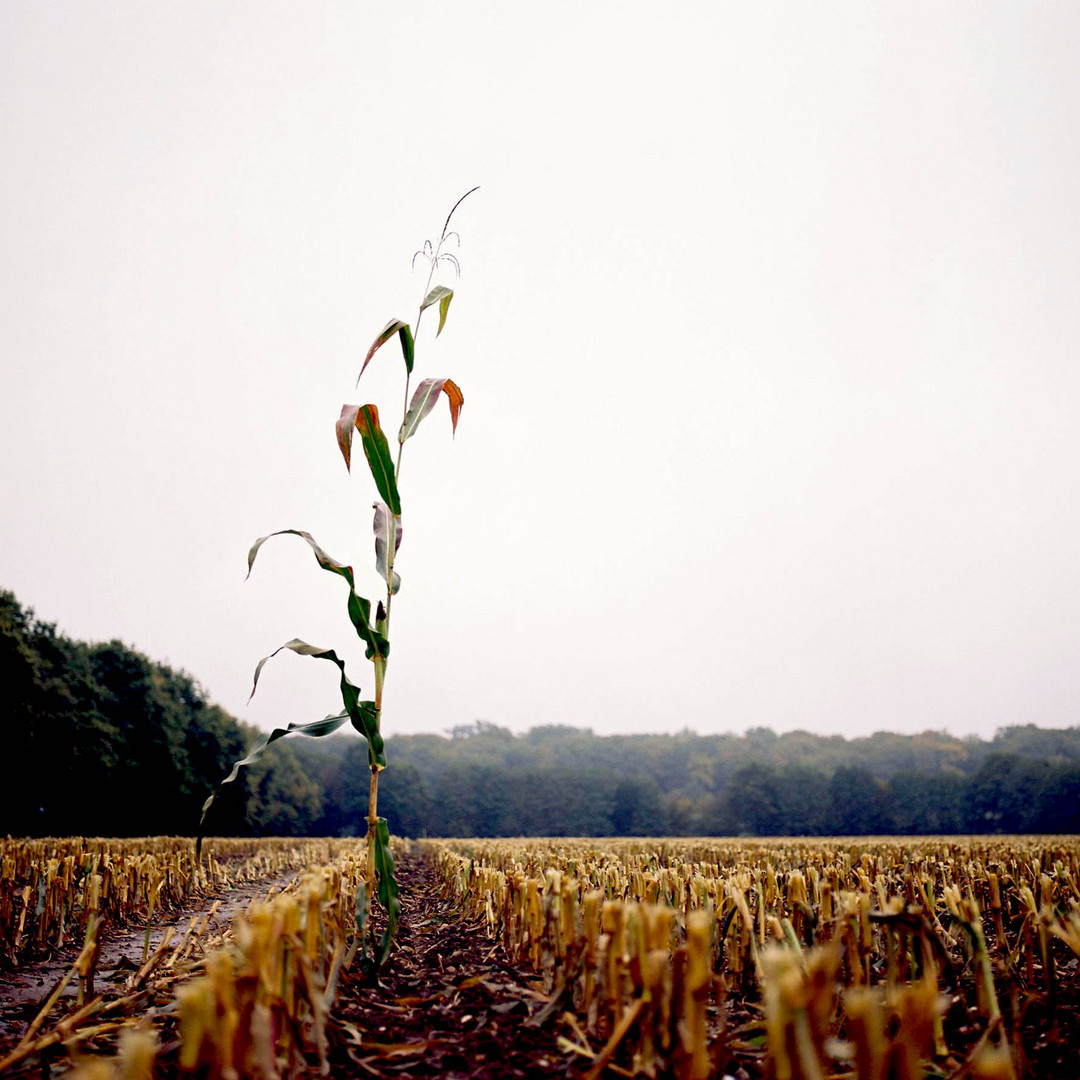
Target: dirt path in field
(25, 989)
(447, 1005)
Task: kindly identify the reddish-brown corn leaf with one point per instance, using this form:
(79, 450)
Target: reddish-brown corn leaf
(442, 296)
(344, 428)
(394, 326)
(456, 398)
(423, 401)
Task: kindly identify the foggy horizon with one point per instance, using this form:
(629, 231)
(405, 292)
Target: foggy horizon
(766, 329)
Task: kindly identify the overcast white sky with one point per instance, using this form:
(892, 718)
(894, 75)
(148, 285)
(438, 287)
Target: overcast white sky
(768, 332)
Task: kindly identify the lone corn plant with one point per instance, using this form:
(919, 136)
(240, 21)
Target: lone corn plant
(365, 715)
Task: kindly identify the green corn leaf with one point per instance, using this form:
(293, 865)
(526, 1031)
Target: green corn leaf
(362, 714)
(408, 347)
(404, 333)
(359, 608)
(382, 626)
(377, 452)
(387, 528)
(424, 400)
(315, 729)
(444, 307)
(442, 296)
(374, 640)
(366, 721)
(365, 419)
(387, 890)
(362, 909)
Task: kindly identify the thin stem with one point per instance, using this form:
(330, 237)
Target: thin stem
(372, 823)
(373, 790)
(380, 663)
(434, 261)
(408, 377)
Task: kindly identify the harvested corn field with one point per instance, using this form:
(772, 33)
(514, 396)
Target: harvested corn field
(581, 958)
(277, 990)
(879, 958)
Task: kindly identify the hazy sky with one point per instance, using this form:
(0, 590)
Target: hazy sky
(767, 327)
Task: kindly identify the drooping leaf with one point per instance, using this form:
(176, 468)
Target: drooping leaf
(359, 608)
(362, 714)
(377, 452)
(327, 562)
(315, 729)
(404, 334)
(442, 296)
(444, 307)
(424, 400)
(456, 399)
(387, 528)
(344, 429)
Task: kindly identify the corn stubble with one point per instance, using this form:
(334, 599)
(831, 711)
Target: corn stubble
(250, 1000)
(51, 890)
(796, 960)
(882, 960)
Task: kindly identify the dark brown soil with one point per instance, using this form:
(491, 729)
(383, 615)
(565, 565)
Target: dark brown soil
(447, 1005)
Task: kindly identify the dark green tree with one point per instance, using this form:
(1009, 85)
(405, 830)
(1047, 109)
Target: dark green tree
(858, 804)
(751, 804)
(1008, 794)
(804, 801)
(638, 808)
(928, 804)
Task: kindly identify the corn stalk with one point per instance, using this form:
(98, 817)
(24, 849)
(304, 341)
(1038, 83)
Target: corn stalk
(372, 627)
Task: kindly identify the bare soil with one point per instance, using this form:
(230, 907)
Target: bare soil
(447, 1005)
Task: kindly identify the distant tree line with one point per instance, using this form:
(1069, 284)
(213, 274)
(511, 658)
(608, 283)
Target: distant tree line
(559, 781)
(106, 741)
(101, 741)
